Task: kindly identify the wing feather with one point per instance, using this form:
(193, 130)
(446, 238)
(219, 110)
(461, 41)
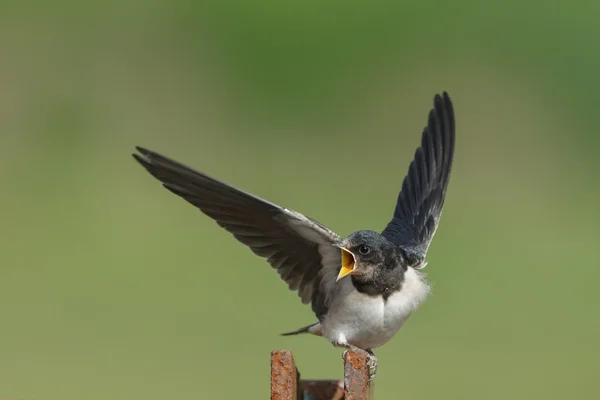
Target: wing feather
(298, 247)
(421, 199)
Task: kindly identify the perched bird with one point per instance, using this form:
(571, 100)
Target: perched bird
(362, 288)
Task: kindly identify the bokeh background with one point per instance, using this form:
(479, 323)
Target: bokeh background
(111, 287)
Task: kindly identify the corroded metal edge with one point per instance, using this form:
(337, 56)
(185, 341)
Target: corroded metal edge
(284, 376)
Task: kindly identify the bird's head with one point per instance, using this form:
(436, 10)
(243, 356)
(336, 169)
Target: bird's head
(364, 253)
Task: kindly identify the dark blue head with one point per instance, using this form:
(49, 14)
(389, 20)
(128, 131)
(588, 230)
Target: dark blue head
(364, 253)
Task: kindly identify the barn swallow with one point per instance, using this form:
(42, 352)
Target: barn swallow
(362, 288)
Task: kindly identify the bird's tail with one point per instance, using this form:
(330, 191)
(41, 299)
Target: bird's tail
(306, 329)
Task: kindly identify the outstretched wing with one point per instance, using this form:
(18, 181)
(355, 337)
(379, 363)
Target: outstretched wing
(421, 199)
(296, 246)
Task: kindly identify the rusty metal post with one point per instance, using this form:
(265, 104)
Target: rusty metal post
(356, 377)
(284, 376)
(286, 383)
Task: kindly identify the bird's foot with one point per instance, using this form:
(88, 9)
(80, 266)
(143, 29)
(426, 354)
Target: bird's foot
(350, 348)
(372, 364)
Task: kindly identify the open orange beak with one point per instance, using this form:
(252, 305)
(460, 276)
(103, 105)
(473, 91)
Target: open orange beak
(348, 264)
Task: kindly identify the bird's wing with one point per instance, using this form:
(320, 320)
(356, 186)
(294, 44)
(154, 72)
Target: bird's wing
(421, 199)
(295, 245)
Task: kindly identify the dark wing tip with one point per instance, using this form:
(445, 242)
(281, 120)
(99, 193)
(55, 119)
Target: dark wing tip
(446, 108)
(150, 155)
(143, 158)
(162, 167)
(144, 151)
(144, 162)
(442, 105)
(446, 97)
(443, 101)
(146, 157)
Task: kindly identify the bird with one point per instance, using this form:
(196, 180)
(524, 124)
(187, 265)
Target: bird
(362, 288)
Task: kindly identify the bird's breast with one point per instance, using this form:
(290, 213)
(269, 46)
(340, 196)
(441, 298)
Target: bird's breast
(370, 321)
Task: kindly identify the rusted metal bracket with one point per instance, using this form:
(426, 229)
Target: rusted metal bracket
(286, 383)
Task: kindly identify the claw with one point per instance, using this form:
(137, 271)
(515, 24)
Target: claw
(372, 364)
(344, 354)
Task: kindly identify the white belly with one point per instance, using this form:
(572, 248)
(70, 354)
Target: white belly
(369, 322)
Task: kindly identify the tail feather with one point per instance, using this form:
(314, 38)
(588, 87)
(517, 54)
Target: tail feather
(306, 329)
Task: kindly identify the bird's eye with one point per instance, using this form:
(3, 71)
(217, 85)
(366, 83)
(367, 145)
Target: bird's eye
(364, 250)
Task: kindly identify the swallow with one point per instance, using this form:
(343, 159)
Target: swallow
(362, 288)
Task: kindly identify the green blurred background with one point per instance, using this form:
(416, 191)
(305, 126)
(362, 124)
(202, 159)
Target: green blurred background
(111, 287)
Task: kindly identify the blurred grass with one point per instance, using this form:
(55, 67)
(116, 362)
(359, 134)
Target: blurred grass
(113, 287)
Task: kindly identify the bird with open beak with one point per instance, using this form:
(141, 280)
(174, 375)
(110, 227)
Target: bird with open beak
(362, 288)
